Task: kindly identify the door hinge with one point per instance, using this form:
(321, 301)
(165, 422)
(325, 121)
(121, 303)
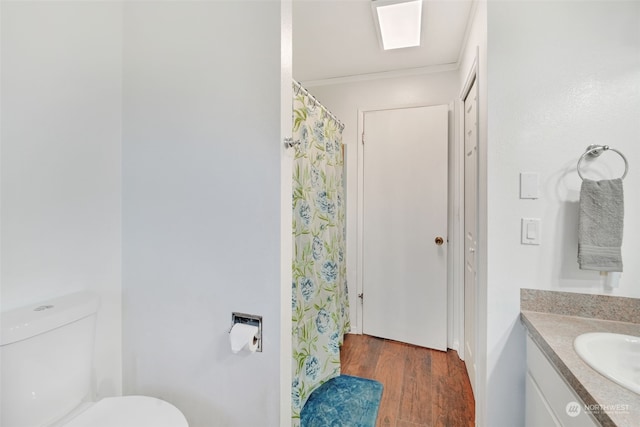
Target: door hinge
(363, 138)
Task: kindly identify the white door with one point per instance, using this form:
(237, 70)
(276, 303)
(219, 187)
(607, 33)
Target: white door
(405, 225)
(470, 229)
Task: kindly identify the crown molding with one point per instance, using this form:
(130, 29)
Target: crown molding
(382, 75)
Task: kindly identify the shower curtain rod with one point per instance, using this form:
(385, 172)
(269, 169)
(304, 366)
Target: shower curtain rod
(299, 88)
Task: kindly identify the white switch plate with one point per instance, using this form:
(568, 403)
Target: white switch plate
(529, 188)
(530, 231)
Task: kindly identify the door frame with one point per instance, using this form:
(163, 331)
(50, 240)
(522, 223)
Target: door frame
(286, 211)
(357, 216)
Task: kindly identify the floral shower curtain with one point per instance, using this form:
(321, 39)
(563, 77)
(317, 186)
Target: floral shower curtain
(319, 294)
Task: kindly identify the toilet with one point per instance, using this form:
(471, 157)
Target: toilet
(46, 350)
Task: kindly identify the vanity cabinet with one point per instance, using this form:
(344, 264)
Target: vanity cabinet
(549, 400)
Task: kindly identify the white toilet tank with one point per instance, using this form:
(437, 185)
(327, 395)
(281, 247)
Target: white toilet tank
(46, 353)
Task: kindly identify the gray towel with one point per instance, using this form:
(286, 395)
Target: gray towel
(600, 225)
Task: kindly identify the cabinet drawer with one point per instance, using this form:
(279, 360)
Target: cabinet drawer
(538, 412)
(566, 407)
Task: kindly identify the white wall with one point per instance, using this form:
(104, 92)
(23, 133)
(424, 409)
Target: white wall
(562, 75)
(201, 205)
(61, 128)
(345, 100)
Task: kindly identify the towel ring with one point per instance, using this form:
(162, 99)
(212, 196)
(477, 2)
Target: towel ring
(595, 151)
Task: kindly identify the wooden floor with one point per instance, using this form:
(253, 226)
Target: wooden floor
(422, 387)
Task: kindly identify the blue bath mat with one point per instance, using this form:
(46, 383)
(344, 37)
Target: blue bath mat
(343, 401)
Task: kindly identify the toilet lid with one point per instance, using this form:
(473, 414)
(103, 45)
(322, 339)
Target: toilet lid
(130, 411)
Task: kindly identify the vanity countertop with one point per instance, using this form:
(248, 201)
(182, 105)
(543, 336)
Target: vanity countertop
(554, 332)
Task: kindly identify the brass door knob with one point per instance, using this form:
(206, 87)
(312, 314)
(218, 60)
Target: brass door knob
(439, 241)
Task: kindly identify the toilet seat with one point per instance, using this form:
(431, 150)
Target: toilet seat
(129, 411)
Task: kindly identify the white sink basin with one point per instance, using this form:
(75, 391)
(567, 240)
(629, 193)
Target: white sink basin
(615, 356)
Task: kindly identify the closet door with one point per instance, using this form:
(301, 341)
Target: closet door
(470, 230)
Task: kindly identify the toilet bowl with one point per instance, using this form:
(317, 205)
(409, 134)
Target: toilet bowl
(126, 411)
(47, 365)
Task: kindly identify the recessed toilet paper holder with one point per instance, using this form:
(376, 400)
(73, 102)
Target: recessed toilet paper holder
(249, 319)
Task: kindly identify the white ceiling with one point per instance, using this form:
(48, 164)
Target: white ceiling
(337, 38)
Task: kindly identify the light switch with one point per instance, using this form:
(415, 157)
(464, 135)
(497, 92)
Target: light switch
(529, 185)
(530, 231)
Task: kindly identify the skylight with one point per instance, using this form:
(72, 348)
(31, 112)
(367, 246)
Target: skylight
(399, 22)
